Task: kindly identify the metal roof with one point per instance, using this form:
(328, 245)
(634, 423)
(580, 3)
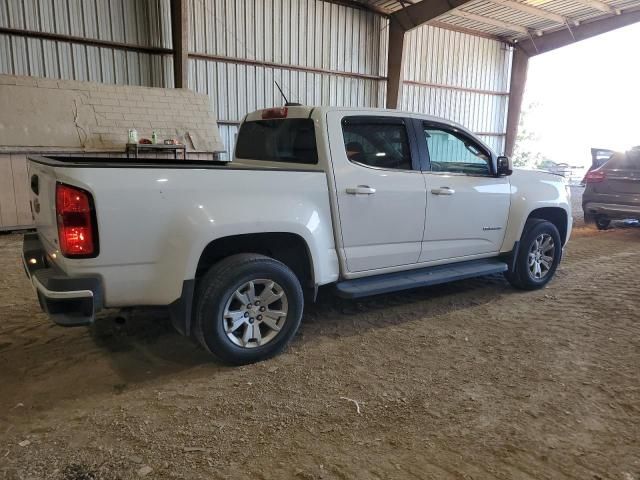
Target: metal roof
(514, 20)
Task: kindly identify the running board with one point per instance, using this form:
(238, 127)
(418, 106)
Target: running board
(423, 277)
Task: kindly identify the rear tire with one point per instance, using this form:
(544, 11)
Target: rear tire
(538, 257)
(248, 307)
(603, 223)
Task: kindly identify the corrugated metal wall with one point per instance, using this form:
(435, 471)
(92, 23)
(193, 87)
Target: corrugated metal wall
(132, 22)
(320, 53)
(458, 76)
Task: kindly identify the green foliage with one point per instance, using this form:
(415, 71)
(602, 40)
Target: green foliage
(525, 152)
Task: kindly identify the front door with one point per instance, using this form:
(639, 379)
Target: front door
(379, 188)
(467, 204)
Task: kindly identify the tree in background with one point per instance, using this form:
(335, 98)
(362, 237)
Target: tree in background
(525, 151)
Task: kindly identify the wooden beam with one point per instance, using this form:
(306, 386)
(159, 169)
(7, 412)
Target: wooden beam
(490, 21)
(422, 12)
(180, 36)
(587, 29)
(535, 11)
(395, 63)
(519, 67)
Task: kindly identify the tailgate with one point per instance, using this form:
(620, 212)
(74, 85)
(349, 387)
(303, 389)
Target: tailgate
(623, 174)
(42, 185)
(623, 181)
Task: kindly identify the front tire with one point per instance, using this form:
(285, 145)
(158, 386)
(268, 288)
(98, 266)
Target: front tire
(248, 307)
(538, 256)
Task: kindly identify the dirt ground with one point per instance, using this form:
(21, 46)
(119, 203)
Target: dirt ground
(472, 380)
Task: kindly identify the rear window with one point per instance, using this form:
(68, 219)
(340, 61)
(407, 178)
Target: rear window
(290, 140)
(624, 161)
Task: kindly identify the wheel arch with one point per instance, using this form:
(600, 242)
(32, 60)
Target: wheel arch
(288, 248)
(557, 216)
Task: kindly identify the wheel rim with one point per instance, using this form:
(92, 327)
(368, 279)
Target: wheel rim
(541, 256)
(255, 313)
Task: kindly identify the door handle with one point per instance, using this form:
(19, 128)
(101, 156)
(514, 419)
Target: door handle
(361, 190)
(443, 191)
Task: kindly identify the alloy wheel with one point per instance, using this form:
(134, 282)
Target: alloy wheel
(255, 313)
(541, 256)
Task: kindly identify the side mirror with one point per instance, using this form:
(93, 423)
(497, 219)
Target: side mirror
(504, 167)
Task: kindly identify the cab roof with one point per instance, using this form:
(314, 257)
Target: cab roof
(309, 111)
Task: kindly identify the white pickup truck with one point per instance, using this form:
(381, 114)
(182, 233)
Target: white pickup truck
(370, 201)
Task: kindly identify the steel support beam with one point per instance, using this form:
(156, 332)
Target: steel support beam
(560, 38)
(420, 13)
(519, 67)
(395, 63)
(180, 36)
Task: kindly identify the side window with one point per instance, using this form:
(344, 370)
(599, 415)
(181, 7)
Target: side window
(374, 142)
(452, 152)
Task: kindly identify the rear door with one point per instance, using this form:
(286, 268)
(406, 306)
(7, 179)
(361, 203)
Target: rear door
(380, 190)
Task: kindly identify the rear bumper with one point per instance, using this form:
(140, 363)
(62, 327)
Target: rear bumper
(69, 301)
(611, 210)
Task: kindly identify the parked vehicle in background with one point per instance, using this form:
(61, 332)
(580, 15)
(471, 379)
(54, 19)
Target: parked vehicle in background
(573, 173)
(613, 190)
(369, 201)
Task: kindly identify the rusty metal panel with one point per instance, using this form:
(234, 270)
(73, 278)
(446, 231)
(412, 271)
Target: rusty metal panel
(309, 33)
(286, 36)
(461, 77)
(135, 22)
(236, 89)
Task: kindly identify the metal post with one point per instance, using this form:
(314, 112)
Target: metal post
(519, 67)
(180, 36)
(395, 63)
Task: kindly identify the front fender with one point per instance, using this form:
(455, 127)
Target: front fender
(530, 191)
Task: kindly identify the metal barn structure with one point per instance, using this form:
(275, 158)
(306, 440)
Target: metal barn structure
(465, 60)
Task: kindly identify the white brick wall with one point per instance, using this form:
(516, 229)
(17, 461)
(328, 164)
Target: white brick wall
(44, 114)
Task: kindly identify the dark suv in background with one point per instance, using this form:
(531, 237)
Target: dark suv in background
(613, 190)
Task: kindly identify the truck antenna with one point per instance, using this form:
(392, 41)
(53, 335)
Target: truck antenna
(286, 102)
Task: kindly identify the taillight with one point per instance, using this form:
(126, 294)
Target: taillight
(595, 176)
(77, 230)
(275, 113)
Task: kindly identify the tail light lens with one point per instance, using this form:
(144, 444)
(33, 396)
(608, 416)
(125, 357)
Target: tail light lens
(77, 229)
(595, 176)
(272, 113)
